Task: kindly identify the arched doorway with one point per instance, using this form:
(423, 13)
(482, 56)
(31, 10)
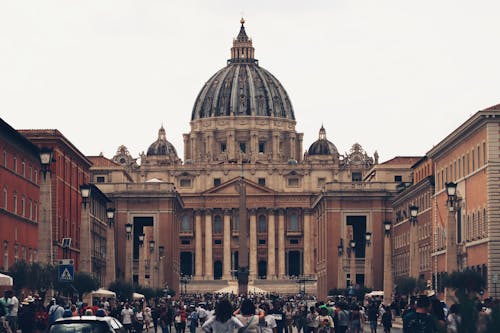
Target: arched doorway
(262, 269)
(187, 263)
(294, 262)
(217, 270)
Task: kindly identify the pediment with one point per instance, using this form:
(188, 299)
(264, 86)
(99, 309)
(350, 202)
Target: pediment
(231, 188)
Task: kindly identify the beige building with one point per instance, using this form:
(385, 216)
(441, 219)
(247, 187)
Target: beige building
(300, 203)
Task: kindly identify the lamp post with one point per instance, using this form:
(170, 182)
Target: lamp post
(128, 230)
(352, 254)
(451, 236)
(414, 258)
(340, 248)
(387, 263)
(141, 264)
(368, 260)
(85, 191)
(129, 260)
(85, 231)
(110, 213)
(45, 241)
(45, 159)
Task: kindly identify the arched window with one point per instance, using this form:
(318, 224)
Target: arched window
(217, 224)
(479, 225)
(294, 222)
(473, 225)
(186, 223)
(262, 225)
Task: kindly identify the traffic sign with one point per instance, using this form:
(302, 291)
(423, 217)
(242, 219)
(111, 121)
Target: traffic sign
(65, 272)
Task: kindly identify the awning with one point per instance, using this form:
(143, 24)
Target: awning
(103, 293)
(137, 296)
(6, 280)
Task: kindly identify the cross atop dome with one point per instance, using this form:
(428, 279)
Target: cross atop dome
(242, 50)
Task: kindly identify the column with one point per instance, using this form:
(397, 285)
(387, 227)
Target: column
(281, 244)
(387, 269)
(253, 244)
(307, 243)
(226, 271)
(45, 250)
(209, 268)
(129, 258)
(254, 142)
(85, 239)
(231, 145)
(199, 247)
(110, 255)
(276, 145)
(451, 250)
(414, 259)
(292, 146)
(271, 245)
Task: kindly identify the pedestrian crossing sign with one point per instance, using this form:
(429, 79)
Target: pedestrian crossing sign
(65, 273)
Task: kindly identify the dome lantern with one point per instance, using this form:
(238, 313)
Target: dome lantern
(242, 50)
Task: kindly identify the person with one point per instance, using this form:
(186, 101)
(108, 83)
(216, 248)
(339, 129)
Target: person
(325, 322)
(223, 321)
(288, 318)
(138, 320)
(155, 314)
(147, 316)
(268, 323)
(299, 317)
(127, 314)
(279, 316)
(453, 320)
(56, 311)
(386, 319)
(419, 321)
(163, 319)
(355, 320)
(246, 314)
(27, 315)
(13, 310)
(193, 319)
(342, 318)
(312, 320)
(372, 317)
(180, 319)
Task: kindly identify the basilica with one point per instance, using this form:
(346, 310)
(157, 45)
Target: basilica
(315, 216)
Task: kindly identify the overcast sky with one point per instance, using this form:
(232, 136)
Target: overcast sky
(395, 76)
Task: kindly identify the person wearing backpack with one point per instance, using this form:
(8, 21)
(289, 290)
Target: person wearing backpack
(56, 311)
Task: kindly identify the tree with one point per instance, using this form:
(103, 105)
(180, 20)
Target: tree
(20, 273)
(146, 291)
(85, 283)
(406, 285)
(464, 282)
(124, 290)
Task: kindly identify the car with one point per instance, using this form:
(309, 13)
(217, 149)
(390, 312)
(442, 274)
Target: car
(87, 324)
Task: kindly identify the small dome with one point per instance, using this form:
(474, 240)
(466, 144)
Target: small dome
(161, 147)
(322, 146)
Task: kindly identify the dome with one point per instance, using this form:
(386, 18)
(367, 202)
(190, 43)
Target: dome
(161, 147)
(242, 88)
(322, 146)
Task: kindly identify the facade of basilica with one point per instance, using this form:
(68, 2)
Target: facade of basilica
(314, 215)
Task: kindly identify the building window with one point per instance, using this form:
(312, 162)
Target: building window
(294, 222)
(23, 169)
(236, 222)
(218, 224)
(185, 182)
(100, 179)
(15, 203)
(243, 147)
(484, 152)
(36, 177)
(262, 224)
(35, 216)
(185, 241)
(15, 164)
(262, 181)
(217, 242)
(30, 209)
(321, 182)
(31, 173)
(23, 253)
(262, 242)
(294, 241)
(186, 224)
(23, 206)
(216, 181)
(356, 176)
(398, 179)
(262, 147)
(223, 147)
(293, 182)
(5, 255)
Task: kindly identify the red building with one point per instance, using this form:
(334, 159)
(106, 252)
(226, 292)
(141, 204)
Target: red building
(19, 197)
(61, 199)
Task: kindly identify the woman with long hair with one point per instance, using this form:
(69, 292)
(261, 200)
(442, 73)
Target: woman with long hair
(248, 317)
(223, 321)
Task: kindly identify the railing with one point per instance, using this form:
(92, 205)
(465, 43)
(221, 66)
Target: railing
(365, 186)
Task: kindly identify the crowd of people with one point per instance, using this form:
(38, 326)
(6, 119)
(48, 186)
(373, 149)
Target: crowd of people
(254, 313)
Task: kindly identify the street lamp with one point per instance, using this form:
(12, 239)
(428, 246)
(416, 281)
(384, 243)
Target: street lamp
(110, 213)
(161, 251)
(151, 246)
(368, 238)
(45, 159)
(387, 228)
(85, 191)
(352, 246)
(413, 214)
(128, 230)
(141, 240)
(451, 191)
(451, 236)
(340, 247)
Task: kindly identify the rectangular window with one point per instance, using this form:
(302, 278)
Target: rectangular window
(262, 147)
(5, 255)
(479, 156)
(36, 177)
(216, 181)
(100, 179)
(262, 181)
(185, 241)
(294, 241)
(217, 242)
(293, 182)
(473, 160)
(321, 181)
(262, 242)
(398, 179)
(223, 147)
(15, 203)
(23, 169)
(185, 182)
(484, 152)
(35, 213)
(23, 207)
(243, 147)
(30, 209)
(15, 164)
(356, 176)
